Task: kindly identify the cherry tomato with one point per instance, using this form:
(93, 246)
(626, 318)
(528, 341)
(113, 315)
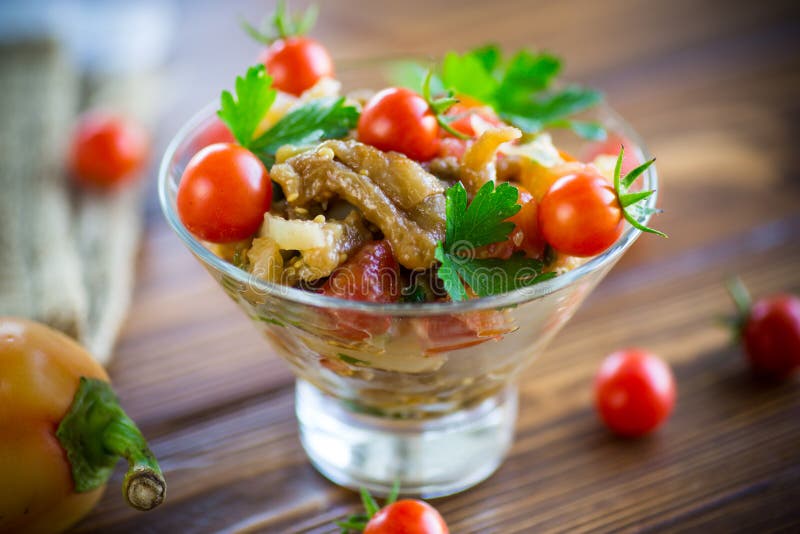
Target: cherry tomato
(224, 193)
(611, 147)
(407, 517)
(107, 149)
(634, 392)
(771, 335)
(370, 275)
(215, 132)
(580, 215)
(399, 119)
(296, 64)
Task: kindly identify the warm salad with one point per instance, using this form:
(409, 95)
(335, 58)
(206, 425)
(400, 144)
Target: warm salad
(447, 190)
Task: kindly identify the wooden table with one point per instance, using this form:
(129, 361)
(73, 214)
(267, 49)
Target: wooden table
(713, 87)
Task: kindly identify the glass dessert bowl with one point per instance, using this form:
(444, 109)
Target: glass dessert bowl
(419, 393)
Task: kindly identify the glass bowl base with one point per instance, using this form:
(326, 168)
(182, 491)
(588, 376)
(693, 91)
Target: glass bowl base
(430, 458)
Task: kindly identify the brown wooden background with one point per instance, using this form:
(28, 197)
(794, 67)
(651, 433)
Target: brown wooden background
(713, 86)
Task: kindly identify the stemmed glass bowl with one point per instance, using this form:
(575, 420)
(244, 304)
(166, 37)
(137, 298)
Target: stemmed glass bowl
(430, 400)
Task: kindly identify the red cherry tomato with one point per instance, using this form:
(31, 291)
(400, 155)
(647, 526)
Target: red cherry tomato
(407, 517)
(611, 147)
(296, 64)
(771, 335)
(445, 333)
(224, 193)
(399, 119)
(215, 132)
(580, 215)
(370, 275)
(107, 149)
(634, 392)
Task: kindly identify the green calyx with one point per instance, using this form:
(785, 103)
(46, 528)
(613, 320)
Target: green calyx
(283, 24)
(630, 203)
(358, 522)
(440, 106)
(743, 301)
(95, 433)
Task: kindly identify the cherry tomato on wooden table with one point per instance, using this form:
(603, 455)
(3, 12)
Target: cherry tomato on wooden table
(634, 392)
(407, 517)
(399, 119)
(770, 331)
(224, 192)
(297, 64)
(107, 149)
(580, 214)
(370, 275)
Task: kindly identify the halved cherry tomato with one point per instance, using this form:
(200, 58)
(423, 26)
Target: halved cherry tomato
(611, 147)
(107, 149)
(224, 192)
(408, 516)
(370, 275)
(580, 215)
(444, 333)
(399, 119)
(634, 392)
(297, 64)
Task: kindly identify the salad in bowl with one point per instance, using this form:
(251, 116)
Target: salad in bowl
(407, 249)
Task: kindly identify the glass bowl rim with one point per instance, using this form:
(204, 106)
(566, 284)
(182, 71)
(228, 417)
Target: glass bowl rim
(299, 296)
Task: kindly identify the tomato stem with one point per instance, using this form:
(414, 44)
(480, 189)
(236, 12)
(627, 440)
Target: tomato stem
(740, 296)
(95, 433)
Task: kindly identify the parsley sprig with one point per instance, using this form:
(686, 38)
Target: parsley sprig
(470, 226)
(316, 120)
(631, 203)
(282, 24)
(520, 89)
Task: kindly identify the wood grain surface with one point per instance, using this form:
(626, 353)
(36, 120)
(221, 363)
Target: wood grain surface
(714, 87)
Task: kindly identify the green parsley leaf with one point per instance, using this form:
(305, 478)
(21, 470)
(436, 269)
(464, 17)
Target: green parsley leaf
(254, 96)
(526, 74)
(493, 276)
(483, 222)
(448, 274)
(479, 223)
(467, 75)
(519, 89)
(324, 118)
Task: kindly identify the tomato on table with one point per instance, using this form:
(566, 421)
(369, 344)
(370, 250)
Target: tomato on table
(634, 392)
(297, 64)
(372, 274)
(407, 516)
(107, 149)
(580, 215)
(770, 331)
(223, 194)
(399, 119)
